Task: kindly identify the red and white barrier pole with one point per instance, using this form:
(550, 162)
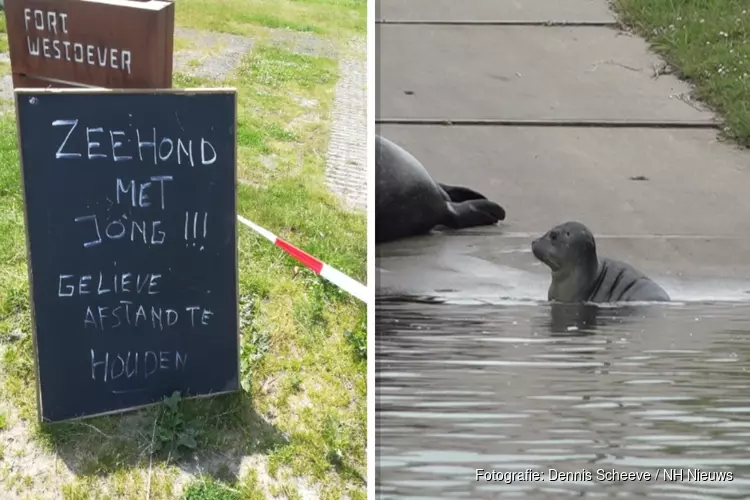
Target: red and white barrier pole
(319, 267)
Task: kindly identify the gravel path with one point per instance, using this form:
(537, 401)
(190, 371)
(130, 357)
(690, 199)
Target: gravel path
(346, 170)
(219, 54)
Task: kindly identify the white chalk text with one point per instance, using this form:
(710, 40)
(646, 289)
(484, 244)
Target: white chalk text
(139, 192)
(147, 231)
(137, 315)
(108, 366)
(147, 145)
(115, 283)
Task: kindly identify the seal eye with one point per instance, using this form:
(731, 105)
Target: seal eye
(553, 235)
(567, 234)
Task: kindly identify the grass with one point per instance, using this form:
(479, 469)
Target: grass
(706, 41)
(299, 424)
(332, 18)
(3, 35)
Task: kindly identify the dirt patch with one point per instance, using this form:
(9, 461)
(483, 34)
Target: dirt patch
(214, 56)
(25, 465)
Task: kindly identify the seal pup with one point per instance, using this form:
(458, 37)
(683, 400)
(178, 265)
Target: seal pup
(408, 202)
(579, 275)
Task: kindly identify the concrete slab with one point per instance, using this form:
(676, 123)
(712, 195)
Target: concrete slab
(486, 72)
(688, 220)
(696, 185)
(494, 10)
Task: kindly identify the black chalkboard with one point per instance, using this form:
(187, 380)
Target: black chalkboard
(131, 227)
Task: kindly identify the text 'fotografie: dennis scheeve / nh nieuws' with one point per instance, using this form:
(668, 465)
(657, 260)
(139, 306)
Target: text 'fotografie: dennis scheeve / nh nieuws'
(582, 475)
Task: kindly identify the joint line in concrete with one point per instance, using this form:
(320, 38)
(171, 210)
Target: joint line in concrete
(471, 22)
(572, 123)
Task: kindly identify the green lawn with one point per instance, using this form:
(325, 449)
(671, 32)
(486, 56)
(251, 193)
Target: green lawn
(300, 422)
(334, 18)
(706, 41)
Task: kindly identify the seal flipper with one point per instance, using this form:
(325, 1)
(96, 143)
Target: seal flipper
(473, 213)
(459, 193)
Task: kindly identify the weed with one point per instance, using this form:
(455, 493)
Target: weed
(250, 488)
(210, 489)
(76, 490)
(173, 433)
(255, 341)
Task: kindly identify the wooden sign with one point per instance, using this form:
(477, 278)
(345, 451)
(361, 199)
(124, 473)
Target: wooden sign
(131, 225)
(100, 43)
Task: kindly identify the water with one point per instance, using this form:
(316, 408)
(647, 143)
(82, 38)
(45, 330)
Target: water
(521, 386)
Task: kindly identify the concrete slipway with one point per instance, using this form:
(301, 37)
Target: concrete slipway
(686, 221)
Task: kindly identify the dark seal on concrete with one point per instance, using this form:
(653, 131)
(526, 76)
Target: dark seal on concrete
(578, 275)
(408, 202)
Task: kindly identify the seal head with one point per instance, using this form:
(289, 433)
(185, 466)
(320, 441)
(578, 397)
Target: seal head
(569, 250)
(566, 247)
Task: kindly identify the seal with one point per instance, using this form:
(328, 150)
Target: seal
(408, 202)
(579, 275)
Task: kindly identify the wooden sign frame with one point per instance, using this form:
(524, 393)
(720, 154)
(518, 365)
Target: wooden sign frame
(91, 43)
(21, 92)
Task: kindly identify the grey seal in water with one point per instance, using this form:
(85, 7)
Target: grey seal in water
(408, 202)
(579, 275)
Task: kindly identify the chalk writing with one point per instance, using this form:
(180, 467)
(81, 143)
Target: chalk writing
(52, 24)
(122, 228)
(138, 315)
(149, 145)
(116, 283)
(204, 316)
(142, 190)
(199, 225)
(108, 366)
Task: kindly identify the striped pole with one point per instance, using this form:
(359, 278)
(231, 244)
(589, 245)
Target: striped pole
(319, 267)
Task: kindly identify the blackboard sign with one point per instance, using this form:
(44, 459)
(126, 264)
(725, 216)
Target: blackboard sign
(131, 227)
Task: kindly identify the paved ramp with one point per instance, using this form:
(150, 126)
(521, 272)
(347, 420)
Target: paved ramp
(646, 172)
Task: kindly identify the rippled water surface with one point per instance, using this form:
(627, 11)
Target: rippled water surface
(511, 387)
